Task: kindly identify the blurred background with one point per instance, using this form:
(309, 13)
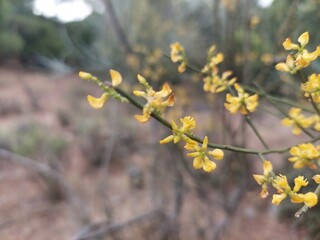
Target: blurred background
(71, 172)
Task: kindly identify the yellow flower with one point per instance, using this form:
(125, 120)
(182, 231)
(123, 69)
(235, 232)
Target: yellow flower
(297, 120)
(217, 84)
(304, 155)
(243, 103)
(303, 39)
(108, 91)
(201, 160)
(277, 198)
(188, 123)
(178, 55)
(115, 77)
(288, 66)
(284, 190)
(85, 75)
(176, 52)
(97, 102)
(299, 182)
(288, 45)
(312, 87)
(316, 122)
(302, 58)
(155, 102)
(310, 199)
(264, 179)
(281, 184)
(316, 178)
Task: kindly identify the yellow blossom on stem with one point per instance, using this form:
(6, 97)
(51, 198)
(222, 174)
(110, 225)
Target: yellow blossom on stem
(200, 155)
(213, 82)
(116, 77)
(217, 84)
(243, 102)
(85, 75)
(312, 87)
(178, 54)
(316, 178)
(297, 121)
(155, 100)
(316, 122)
(264, 179)
(188, 123)
(288, 66)
(284, 190)
(97, 102)
(305, 154)
(301, 59)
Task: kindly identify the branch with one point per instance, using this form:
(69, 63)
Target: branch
(164, 122)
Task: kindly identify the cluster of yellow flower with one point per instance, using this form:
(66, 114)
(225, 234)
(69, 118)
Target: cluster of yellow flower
(311, 88)
(303, 155)
(280, 183)
(301, 59)
(298, 121)
(155, 102)
(200, 154)
(306, 154)
(178, 55)
(243, 102)
(212, 81)
(99, 102)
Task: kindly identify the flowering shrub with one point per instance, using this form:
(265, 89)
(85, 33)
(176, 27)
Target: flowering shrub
(238, 99)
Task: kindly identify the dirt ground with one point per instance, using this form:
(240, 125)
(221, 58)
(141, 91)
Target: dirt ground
(28, 208)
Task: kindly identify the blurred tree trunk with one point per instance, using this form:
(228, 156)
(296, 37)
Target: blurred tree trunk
(120, 35)
(217, 21)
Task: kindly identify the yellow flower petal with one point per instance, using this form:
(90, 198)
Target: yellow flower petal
(142, 118)
(304, 39)
(316, 178)
(85, 75)
(297, 198)
(97, 102)
(259, 178)
(277, 198)
(310, 199)
(167, 139)
(267, 167)
(166, 90)
(216, 154)
(197, 163)
(209, 166)
(115, 77)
